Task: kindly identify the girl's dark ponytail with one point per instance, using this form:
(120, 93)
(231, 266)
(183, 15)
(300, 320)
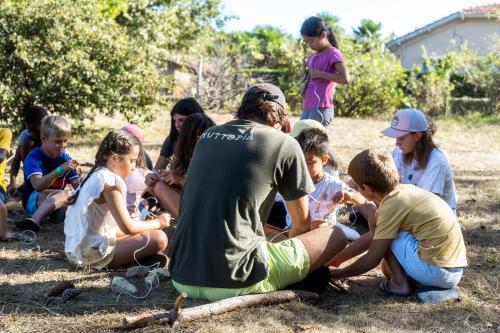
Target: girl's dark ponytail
(72, 199)
(331, 37)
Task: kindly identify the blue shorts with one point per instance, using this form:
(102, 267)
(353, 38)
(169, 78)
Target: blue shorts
(405, 249)
(3, 195)
(322, 115)
(31, 203)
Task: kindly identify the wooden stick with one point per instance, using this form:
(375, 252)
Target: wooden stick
(215, 308)
(178, 303)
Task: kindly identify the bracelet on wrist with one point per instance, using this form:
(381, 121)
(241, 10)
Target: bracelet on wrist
(59, 170)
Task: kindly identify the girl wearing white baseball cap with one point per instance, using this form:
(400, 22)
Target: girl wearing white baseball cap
(418, 159)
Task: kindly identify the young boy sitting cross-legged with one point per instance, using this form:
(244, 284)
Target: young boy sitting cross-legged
(328, 189)
(47, 169)
(323, 202)
(416, 234)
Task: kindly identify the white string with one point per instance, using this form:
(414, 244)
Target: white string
(150, 289)
(321, 202)
(142, 248)
(154, 199)
(316, 93)
(27, 240)
(319, 101)
(145, 213)
(31, 238)
(72, 191)
(337, 207)
(278, 234)
(152, 285)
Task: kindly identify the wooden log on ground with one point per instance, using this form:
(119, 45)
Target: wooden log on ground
(229, 304)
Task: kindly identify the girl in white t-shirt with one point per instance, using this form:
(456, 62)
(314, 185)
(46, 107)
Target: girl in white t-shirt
(418, 159)
(99, 230)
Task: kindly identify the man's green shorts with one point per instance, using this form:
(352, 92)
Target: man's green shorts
(287, 263)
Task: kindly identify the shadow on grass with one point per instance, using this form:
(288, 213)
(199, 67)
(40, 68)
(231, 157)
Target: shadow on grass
(31, 298)
(363, 306)
(361, 309)
(483, 236)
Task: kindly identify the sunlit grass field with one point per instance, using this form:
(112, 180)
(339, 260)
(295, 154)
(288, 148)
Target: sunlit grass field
(27, 272)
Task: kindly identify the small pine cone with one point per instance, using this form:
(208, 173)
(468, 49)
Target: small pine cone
(70, 293)
(59, 287)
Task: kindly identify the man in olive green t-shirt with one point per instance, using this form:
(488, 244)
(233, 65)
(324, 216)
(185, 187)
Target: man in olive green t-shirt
(414, 231)
(219, 249)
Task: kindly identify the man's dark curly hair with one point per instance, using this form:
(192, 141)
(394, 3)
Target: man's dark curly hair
(257, 107)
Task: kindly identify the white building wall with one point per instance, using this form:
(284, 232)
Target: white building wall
(477, 33)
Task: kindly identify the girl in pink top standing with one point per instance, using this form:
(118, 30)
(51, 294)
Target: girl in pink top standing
(324, 69)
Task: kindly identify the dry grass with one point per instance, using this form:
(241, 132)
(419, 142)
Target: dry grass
(27, 272)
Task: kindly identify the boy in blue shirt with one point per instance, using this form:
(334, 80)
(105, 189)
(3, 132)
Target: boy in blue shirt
(47, 170)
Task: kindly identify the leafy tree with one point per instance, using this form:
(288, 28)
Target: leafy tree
(168, 24)
(65, 56)
(367, 29)
(274, 54)
(169, 30)
(112, 8)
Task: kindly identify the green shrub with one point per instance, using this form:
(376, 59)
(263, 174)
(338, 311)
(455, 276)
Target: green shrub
(66, 56)
(468, 105)
(377, 78)
(441, 86)
(483, 73)
(274, 55)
